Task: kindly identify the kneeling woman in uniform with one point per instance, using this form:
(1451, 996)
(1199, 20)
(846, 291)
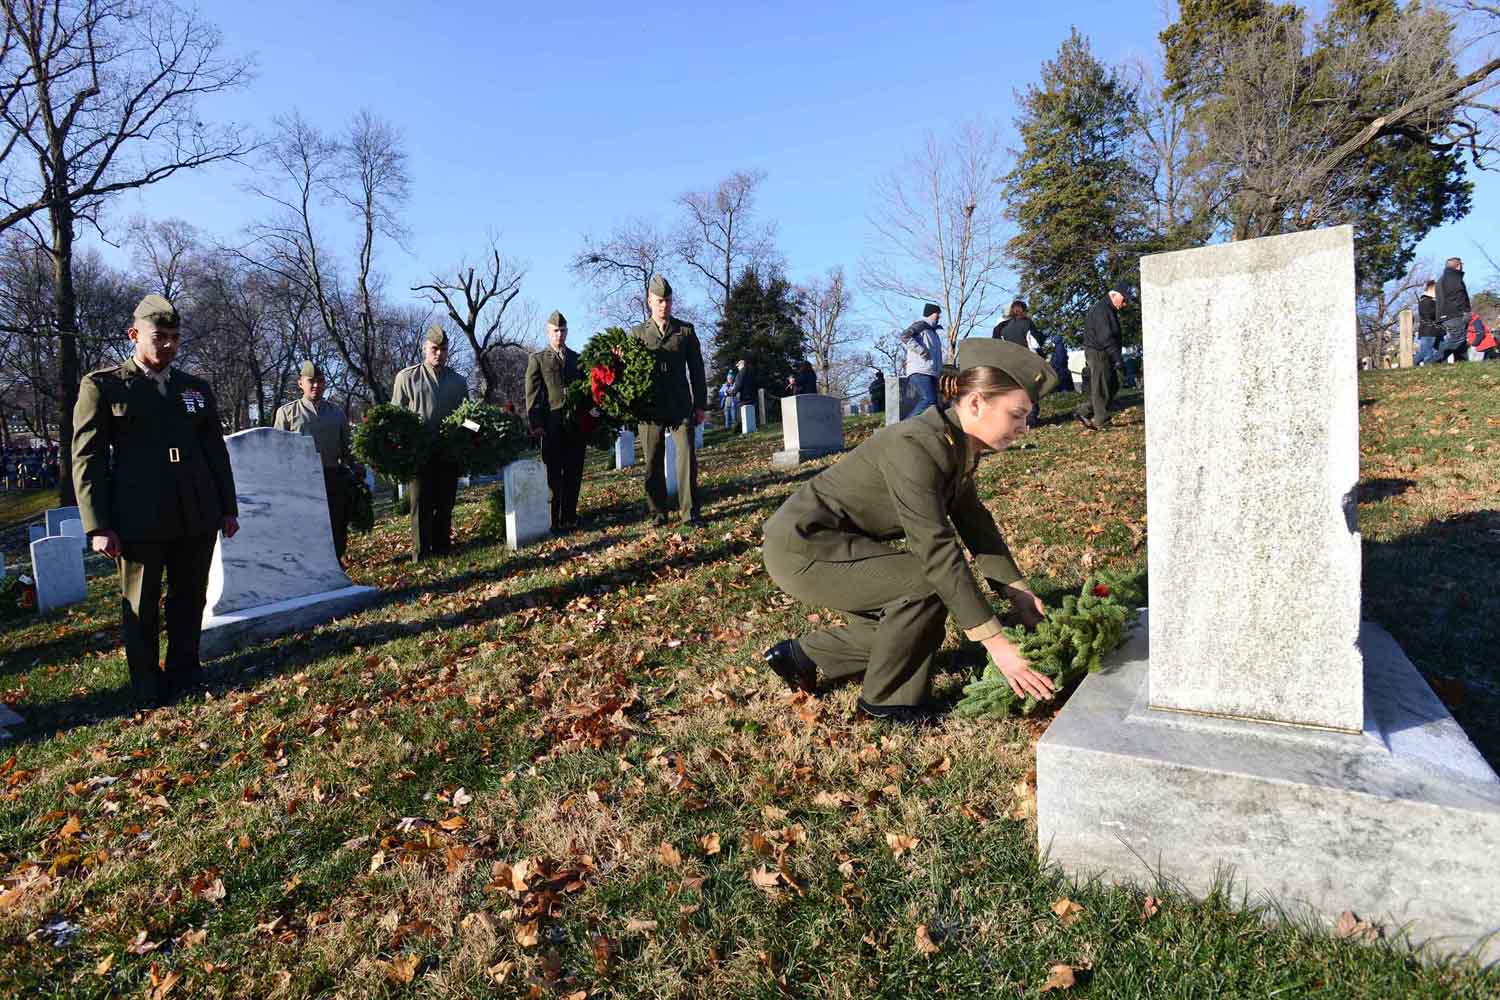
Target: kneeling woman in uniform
(829, 544)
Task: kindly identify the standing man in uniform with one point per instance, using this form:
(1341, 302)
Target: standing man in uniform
(326, 424)
(681, 395)
(1101, 351)
(548, 374)
(154, 490)
(432, 391)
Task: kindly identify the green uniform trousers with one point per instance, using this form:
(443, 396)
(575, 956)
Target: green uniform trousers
(896, 624)
(186, 562)
(338, 507)
(433, 494)
(1104, 386)
(654, 449)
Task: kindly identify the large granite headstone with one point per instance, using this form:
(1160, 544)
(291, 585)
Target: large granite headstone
(625, 450)
(812, 425)
(1254, 734)
(57, 515)
(57, 569)
(279, 574)
(747, 419)
(528, 505)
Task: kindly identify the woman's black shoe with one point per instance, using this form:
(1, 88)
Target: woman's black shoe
(792, 665)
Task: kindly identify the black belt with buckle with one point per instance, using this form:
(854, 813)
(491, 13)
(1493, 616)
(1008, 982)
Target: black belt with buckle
(173, 455)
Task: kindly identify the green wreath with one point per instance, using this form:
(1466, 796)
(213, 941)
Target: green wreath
(499, 440)
(394, 442)
(1069, 643)
(619, 373)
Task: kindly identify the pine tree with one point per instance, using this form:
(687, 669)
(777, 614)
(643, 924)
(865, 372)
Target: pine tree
(762, 325)
(1073, 190)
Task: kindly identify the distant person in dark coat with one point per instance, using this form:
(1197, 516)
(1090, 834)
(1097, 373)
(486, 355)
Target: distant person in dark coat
(1429, 331)
(1102, 351)
(1021, 331)
(1060, 365)
(804, 382)
(877, 392)
(744, 384)
(1453, 312)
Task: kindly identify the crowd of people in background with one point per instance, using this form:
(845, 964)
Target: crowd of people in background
(1448, 328)
(30, 468)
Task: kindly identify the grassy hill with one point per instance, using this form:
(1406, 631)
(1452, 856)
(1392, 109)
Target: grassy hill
(563, 772)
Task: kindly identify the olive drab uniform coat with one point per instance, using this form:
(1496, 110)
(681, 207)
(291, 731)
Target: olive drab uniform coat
(830, 545)
(326, 424)
(153, 468)
(432, 394)
(679, 388)
(548, 374)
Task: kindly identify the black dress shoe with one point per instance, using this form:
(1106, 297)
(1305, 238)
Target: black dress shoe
(906, 715)
(792, 665)
(660, 520)
(695, 521)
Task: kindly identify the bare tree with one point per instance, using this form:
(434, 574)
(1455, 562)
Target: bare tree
(365, 173)
(823, 305)
(102, 99)
(720, 237)
(1161, 153)
(1381, 310)
(939, 233)
(476, 302)
(619, 268)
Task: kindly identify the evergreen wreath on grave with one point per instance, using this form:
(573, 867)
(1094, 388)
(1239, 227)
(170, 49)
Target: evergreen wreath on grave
(1070, 642)
(393, 441)
(500, 439)
(619, 376)
(581, 410)
(17, 594)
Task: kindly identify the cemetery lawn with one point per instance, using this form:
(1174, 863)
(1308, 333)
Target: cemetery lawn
(564, 773)
(21, 507)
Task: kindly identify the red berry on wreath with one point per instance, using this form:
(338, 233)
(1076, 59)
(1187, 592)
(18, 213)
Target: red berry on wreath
(1100, 590)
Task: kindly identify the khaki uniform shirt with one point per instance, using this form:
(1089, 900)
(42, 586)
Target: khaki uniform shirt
(431, 394)
(547, 378)
(915, 480)
(326, 425)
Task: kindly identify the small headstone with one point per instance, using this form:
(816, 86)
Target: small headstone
(35, 531)
(528, 509)
(73, 528)
(1404, 350)
(761, 411)
(625, 450)
(900, 399)
(370, 479)
(811, 427)
(57, 568)
(57, 515)
(464, 482)
(670, 457)
(698, 436)
(2, 565)
(747, 419)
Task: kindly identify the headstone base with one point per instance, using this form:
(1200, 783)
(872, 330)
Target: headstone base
(228, 632)
(793, 457)
(1398, 823)
(8, 720)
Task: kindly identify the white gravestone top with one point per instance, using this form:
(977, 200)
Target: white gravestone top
(1251, 460)
(747, 419)
(35, 531)
(73, 528)
(625, 450)
(57, 515)
(812, 422)
(698, 436)
(284, 548)
(528, 510)
(57, 569)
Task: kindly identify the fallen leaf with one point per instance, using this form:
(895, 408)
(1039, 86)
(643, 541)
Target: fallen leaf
(102, 967)
(924, 941)
(1351, 928)
(1059, 977)
(710, 843)
(70, 828)
(636, 925)
(401, 969)
(526, 934)
(900, 843)
(462, 798)
(452, 823)
(164, 985)
(764, 879)
(1068, 912)
(1149, 908)
(669, 855)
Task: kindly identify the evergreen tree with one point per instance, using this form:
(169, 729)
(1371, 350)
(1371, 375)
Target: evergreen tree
(763, 326)
(1074, 193)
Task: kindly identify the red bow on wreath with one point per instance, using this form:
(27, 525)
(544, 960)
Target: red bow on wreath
(600, 378)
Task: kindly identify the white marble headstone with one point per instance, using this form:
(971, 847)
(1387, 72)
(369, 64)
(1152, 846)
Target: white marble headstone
(625, 450)
(528, 509)
(370, 479)
(698, 435)
(57, 515)
(284, 548)
(73, 528)
(747, 419)
(811, 422)
(35, 531)
(1251, 460)
(669, 456)
(57, 568)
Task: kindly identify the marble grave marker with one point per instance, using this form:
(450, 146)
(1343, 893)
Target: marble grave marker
(57, 515)
(57, 569)
(625, 450)
(811, 426)
(747, 419)
(528, 506)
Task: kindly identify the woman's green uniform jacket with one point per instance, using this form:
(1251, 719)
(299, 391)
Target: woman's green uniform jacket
(913, 479)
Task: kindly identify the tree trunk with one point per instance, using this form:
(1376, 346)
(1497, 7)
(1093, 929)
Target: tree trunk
(67, 332)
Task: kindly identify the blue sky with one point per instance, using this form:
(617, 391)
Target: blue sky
(546, 121)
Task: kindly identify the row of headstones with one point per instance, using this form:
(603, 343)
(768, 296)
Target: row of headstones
(57, 548)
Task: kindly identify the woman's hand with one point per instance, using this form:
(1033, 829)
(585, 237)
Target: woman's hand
(1024, 681)
(1028, 607)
